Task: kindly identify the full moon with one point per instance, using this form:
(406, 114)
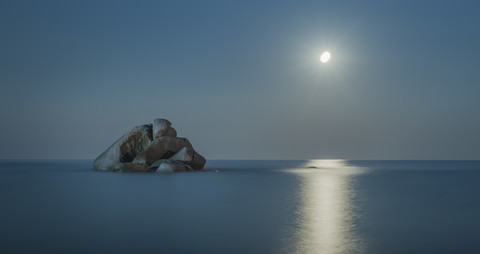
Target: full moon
(325, 57)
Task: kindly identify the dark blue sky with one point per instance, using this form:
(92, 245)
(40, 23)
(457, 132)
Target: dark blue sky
(243, 79)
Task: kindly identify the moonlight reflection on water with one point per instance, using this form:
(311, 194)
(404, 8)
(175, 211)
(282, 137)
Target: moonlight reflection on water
(326, 213)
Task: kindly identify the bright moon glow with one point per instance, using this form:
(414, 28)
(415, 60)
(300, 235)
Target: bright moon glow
(325, 57)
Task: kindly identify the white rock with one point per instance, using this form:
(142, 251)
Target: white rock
(167, 166)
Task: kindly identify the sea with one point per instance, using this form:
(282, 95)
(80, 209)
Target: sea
(242, 206)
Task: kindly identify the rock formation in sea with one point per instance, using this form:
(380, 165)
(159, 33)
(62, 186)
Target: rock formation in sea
(150, 147)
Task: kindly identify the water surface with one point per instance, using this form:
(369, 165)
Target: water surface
(318, 206)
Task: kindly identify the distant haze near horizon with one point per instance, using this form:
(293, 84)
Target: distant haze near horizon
(243, 80)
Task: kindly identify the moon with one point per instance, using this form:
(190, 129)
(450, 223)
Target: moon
(325, 57)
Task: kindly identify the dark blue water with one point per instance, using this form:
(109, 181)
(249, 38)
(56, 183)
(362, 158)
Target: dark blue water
(324, 206)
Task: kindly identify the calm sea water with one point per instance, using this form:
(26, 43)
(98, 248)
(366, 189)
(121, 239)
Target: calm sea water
(319, 206)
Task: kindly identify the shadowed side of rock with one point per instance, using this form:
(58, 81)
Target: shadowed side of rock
(125, 149)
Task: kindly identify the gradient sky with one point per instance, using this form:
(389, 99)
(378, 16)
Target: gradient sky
(242, 80)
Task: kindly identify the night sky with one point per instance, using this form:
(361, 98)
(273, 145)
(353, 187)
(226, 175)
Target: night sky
(243, 80)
